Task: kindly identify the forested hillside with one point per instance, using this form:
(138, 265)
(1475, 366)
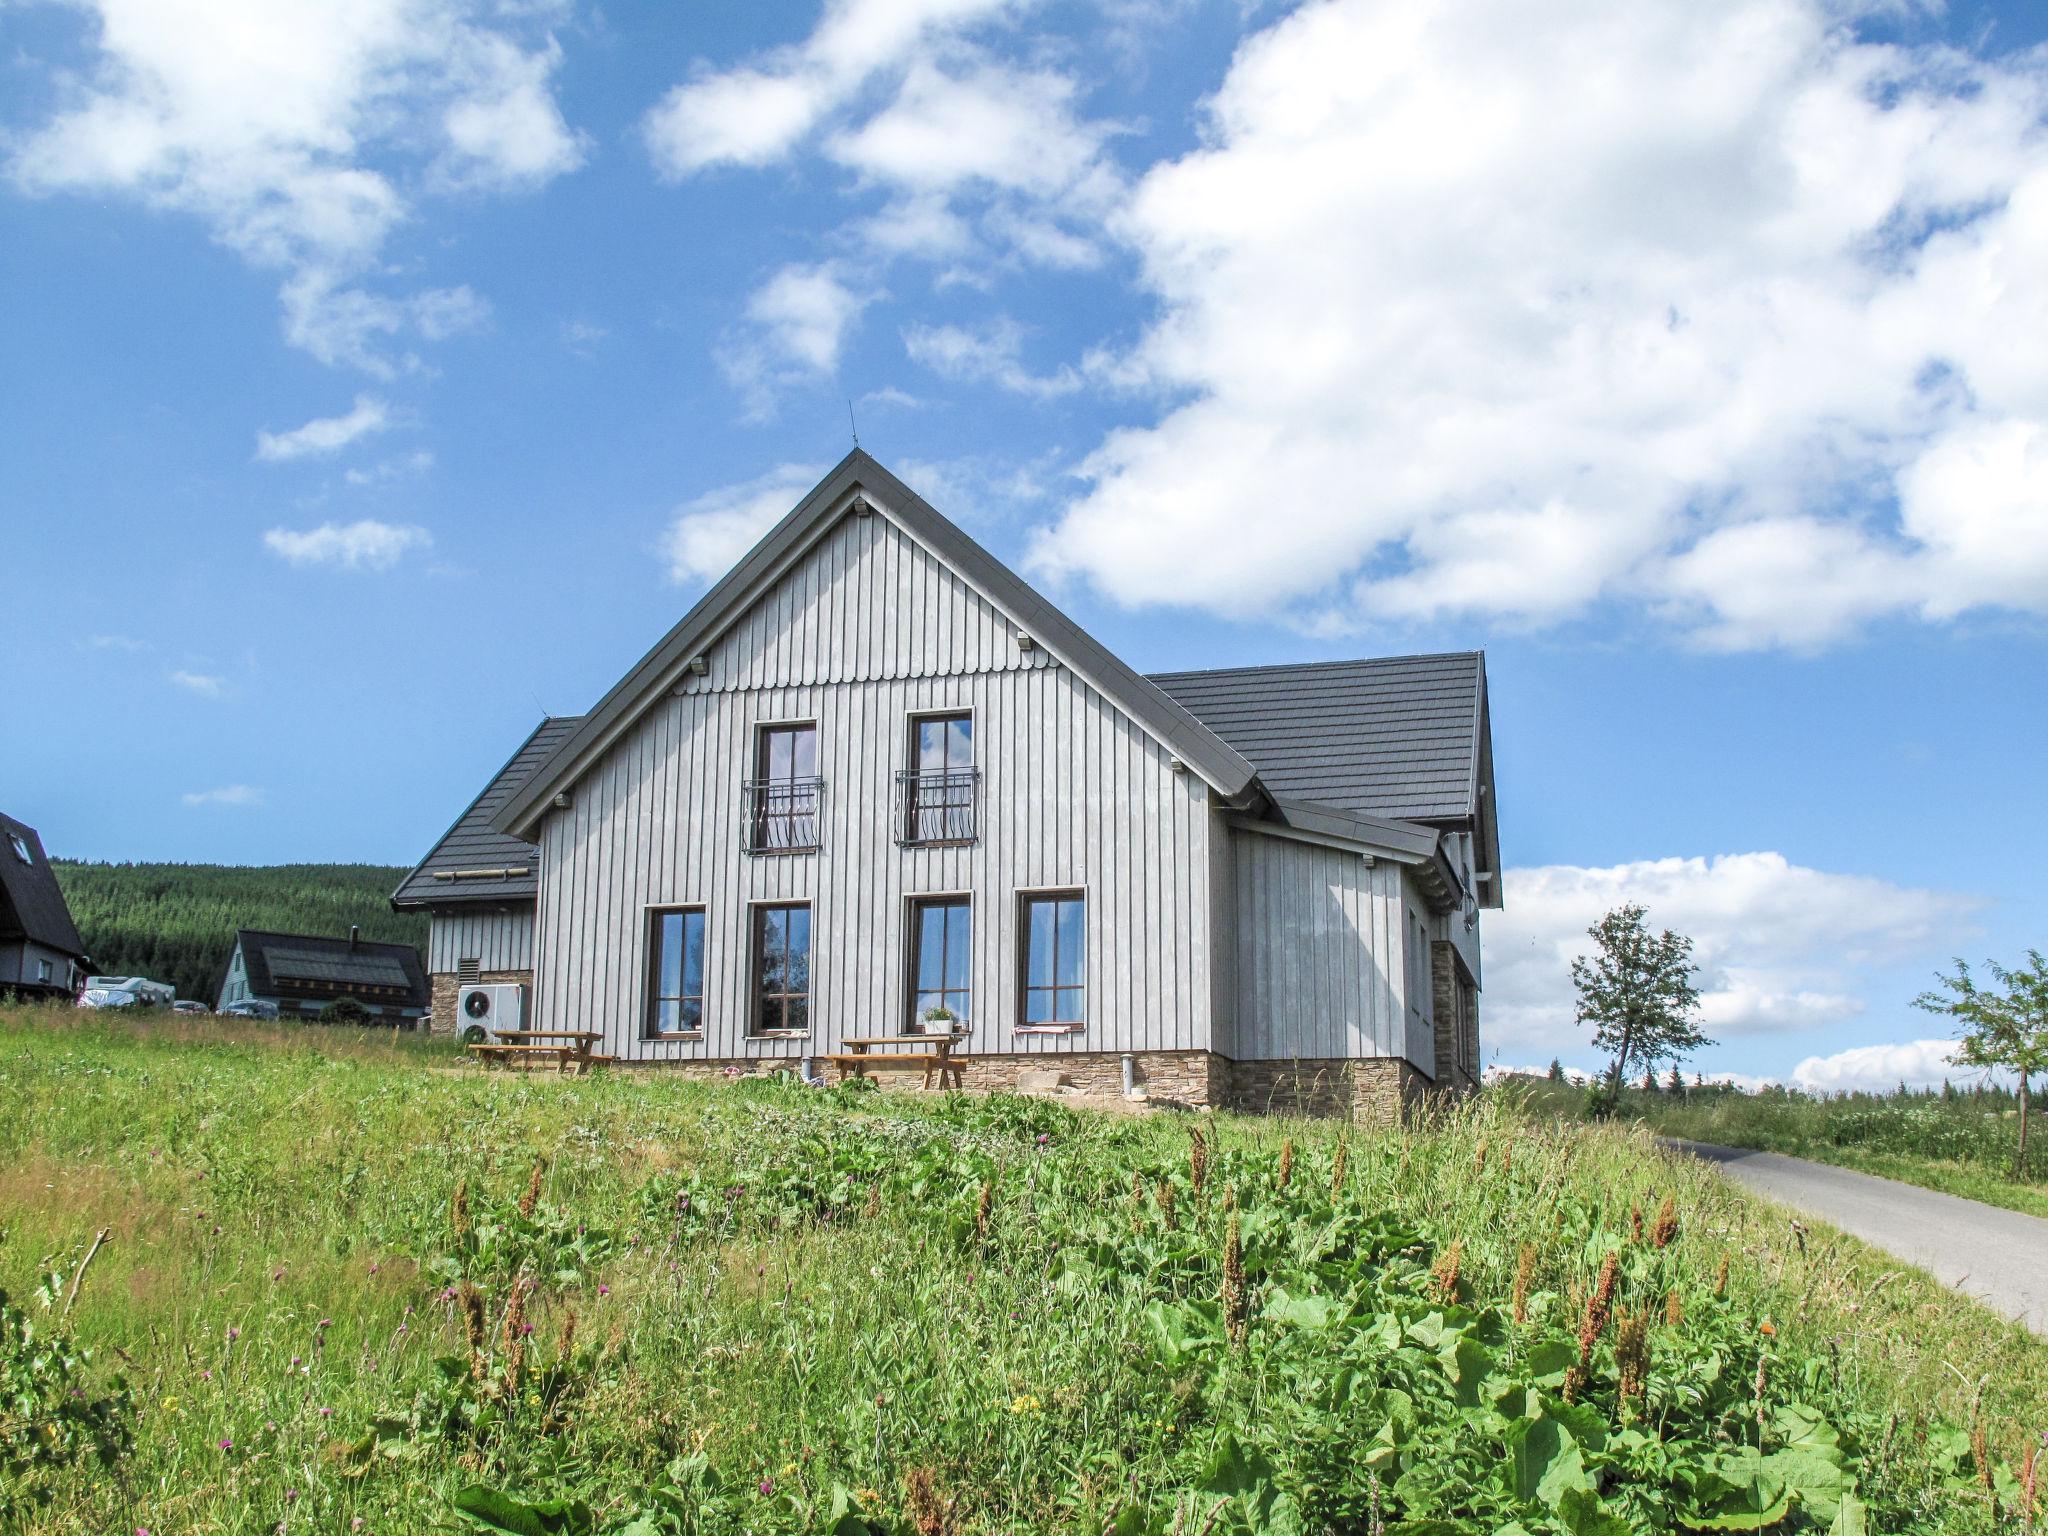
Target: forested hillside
(177, 922)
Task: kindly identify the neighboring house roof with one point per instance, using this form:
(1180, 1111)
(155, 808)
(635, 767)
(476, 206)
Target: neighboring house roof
(1193, 742)
(1402, 737)
(32, 904)
(309, 965)
(474, 862)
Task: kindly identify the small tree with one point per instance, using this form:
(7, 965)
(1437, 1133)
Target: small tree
(1637, 992)
(1556, 1070)
(2006, 1029)
(1675, 1084)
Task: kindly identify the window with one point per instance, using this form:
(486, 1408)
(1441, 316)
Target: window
(942, 958)
(941, 786)
(783, 795)
(21, 848)
(42, 970)
(1055, 960)
(782, 969)
(675, 1003)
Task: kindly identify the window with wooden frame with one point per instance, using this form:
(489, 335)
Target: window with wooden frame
(941, 963)
(1054, 931)
(675, 992)
(941, 787)
(783, 795)
(781, 969)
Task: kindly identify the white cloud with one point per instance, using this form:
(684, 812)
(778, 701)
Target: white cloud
(796, 323)
(291, 129)
(117, 643)
(415, 463)
(325, 434)
(366, 545)
(205, 684)
(1779, 945)
(993, 354)
(1484, 310)
(709, 535)
(1881, 1068)
(757, 113)
(227, 794)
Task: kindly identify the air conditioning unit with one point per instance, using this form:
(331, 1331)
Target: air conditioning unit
(496, 1006)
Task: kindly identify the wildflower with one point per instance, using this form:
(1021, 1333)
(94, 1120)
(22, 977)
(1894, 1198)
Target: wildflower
(981, 1207)
(1665, 1227)
(206, 1375)
(1166, 1204)
(277, 1274)
(789, 1470)
(767, 1484)
(326, 1413)
(1235, 1302)
(447, 1293)
(1721, 1278)
(1767, 1328)
(1635, 1223)
(373, 1267)
(233, 1334)
(295, 1362)
(1444, 1273)
(1479, 1156)
(1025, 1403)
(227, 1444)
(604, 1290)
(1525, 1271)
(1043, 1138)
(1286, 1170)
(1198, 1161)
(1591, 1325)
(1674, 1309)
(291, 1495)
(1632, 1353)
(170, 1405)
(1337, 1167)
(531, 1198)
(458, 1212)
(325, 1322)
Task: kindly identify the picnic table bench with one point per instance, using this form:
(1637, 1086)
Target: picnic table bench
(937, 1058)
(568, 1049)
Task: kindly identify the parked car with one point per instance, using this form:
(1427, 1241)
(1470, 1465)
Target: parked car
(126, 992)
(250, 1008)
(186, 1005)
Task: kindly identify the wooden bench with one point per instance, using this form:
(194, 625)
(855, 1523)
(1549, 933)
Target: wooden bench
(936, 1060)
(567, 1049)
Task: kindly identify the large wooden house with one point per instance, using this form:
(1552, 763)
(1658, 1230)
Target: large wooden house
(41, 954)
(873, 777)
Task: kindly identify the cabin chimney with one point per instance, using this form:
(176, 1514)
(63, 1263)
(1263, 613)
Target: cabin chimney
(352, 932)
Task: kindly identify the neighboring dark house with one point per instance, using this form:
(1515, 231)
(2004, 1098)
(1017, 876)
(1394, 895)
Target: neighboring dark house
(873, 783)
(477, 886)
(303, 973)
(41, 954)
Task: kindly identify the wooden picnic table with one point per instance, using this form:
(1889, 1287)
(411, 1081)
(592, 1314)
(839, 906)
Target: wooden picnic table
(937, 1058)
(567, 1048)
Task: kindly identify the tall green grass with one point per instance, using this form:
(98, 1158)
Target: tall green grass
(759, 1307)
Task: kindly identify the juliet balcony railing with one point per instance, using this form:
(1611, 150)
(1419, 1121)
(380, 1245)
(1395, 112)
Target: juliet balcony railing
(783, 815)
(937, 808)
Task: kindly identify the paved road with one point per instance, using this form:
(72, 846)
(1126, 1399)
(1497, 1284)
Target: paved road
(1999, 1257)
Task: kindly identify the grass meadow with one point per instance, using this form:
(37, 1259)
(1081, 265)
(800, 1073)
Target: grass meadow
(350, 1285)
(1962, 1142)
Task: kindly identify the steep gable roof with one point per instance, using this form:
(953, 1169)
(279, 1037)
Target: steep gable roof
(473, 861)
(315, 966)
(1401, 737)
(32, 904)
(1196, 744)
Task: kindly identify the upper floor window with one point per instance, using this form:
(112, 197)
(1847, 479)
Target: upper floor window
(675, 1004)
(21, 848)
(941, 787)
(784, 794)
(1055, 960)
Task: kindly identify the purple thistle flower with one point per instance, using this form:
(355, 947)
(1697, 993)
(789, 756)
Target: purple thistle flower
(767, 1486)
(233, 1334)
(227, 1445)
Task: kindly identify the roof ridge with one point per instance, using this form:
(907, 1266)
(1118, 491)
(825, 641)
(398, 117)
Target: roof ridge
(1308, 666)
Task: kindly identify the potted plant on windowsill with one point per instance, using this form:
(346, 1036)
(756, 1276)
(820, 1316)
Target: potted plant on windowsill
(939, 1021)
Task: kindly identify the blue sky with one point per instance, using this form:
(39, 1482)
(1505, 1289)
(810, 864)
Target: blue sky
(381, 375)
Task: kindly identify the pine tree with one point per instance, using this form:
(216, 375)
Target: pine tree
(1556, 1070)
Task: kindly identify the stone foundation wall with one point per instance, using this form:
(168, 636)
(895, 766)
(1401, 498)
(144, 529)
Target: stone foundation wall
(447, 989)
(1454, 1002)
(1379, 1090)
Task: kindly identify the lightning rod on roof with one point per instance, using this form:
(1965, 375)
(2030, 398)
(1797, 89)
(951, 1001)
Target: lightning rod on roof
(851, 422)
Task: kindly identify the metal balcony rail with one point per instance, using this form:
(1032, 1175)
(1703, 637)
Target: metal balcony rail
(938, 807)
(783, 815)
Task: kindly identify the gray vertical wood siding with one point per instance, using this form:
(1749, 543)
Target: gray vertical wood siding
(1318, 953)
(497, 941)
(865, 632)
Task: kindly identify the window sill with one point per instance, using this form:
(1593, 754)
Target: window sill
(781, 1034)
(1051, 1029)
(784, 853)
(937, 842)
(685, 1035)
